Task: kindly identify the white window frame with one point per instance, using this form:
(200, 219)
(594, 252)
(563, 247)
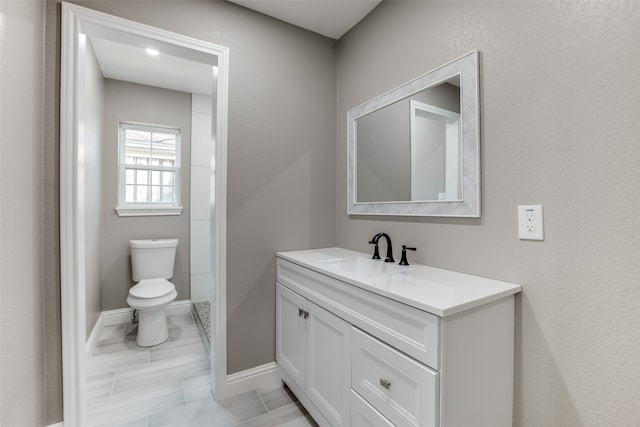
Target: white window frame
(147, 209)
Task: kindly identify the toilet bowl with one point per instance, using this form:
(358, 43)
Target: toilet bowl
(150, 297)
(152, 263)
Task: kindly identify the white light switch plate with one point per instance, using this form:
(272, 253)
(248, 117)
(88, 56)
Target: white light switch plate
(530, 223)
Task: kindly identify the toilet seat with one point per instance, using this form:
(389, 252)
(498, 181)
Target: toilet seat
(152, 288)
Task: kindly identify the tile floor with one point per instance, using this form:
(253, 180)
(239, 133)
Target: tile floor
(169, 385)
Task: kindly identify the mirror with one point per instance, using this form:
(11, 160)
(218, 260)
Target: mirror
(414, 150)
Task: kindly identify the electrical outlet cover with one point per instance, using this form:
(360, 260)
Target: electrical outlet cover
(530, 222)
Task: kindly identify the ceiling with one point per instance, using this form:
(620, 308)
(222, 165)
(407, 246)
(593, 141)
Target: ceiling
(124, 57)
(331, 18)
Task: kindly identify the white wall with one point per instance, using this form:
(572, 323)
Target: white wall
(560, 127)
(22, 330)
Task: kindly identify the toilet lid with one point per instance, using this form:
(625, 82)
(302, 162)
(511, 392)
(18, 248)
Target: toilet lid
(152, 288)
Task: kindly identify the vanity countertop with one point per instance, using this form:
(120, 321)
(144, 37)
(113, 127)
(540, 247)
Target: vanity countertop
(437, 291)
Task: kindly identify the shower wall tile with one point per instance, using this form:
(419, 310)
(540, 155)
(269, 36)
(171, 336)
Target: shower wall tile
(200, 193)
(201, 139)
(200, 287)
(200, 247)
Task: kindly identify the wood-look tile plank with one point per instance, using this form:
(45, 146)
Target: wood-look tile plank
(197, 387)
(126, 342)
(117, 359)
(162, 371)
(290, 413)
(276, 397)
(140, 422)
(135, 404)
(169, 385)
(207, 412)
(100, 385)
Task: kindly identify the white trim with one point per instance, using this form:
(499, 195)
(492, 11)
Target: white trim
(75, 20)
(148, 211)
(219, 229)
(259, 377)
(60, 424)
(117, 316)
(468, 68)
(148, 208)
(72, 298)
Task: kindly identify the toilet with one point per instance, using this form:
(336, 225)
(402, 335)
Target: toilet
(152, 264)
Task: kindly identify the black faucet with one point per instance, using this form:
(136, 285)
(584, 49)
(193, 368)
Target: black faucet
(376, 254)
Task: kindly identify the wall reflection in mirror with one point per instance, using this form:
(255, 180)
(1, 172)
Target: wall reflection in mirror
(410, 150)
(414, 150)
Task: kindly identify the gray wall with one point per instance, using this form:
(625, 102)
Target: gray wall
(560, 127)
(22, 235)
(281, 163)
(143, 104)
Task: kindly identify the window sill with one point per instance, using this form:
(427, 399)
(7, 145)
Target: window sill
(146, 211)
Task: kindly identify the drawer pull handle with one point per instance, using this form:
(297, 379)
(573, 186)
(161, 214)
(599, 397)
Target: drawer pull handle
(384, 383)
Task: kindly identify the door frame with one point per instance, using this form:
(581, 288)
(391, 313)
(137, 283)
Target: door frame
(73, 316)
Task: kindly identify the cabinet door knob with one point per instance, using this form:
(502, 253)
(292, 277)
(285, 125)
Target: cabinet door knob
(384, 383)
(306, 314)
(300, 312)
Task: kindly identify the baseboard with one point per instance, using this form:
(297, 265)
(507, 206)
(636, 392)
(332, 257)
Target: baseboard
(252, 379)
(122, 315)
(179, 307)
(56, 425)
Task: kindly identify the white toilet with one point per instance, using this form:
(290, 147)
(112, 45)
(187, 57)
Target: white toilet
(152, 264)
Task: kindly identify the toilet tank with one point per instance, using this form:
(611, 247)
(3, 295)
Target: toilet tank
(152, 259)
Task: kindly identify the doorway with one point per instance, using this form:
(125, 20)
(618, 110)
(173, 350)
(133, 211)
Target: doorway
(79, 26)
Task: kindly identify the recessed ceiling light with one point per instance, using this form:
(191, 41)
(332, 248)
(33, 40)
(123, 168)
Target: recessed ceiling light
(152, 52)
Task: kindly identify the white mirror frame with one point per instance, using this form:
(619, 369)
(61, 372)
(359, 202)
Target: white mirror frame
(71, 205)
(467, 67)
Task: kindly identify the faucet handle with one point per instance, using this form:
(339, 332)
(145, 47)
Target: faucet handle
(376, 253)
(403, 260)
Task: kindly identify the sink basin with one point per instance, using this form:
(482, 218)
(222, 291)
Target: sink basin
(362, 266)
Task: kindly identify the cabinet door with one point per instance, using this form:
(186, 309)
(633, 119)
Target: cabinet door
(329, 364)
(290, 334)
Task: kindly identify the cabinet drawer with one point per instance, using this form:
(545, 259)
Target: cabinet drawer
(364, 415)
(412, 331)
(400, 388)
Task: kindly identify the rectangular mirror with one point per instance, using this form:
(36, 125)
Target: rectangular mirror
(415, 150)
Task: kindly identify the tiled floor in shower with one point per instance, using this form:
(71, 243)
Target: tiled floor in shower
(168, 385)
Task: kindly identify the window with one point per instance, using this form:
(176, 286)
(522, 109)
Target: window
(149, 176)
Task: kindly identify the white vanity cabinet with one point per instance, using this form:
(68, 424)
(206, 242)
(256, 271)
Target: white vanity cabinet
(313, 347)
(364, 343)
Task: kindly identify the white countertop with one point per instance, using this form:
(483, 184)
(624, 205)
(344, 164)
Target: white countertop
(437, 291)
